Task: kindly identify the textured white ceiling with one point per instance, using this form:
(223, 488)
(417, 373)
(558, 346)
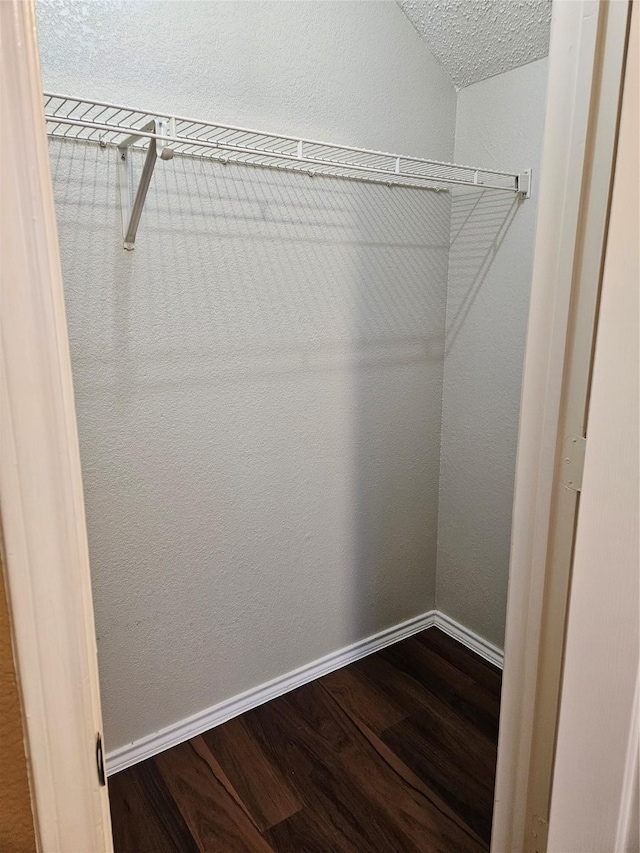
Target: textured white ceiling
(475, 39)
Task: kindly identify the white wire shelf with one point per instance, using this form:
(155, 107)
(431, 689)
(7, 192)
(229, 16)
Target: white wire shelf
(163, 135)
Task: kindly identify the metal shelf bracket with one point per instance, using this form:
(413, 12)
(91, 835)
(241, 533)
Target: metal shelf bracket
(158, 148)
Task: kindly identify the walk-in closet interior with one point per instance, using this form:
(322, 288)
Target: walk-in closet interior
(297, 369)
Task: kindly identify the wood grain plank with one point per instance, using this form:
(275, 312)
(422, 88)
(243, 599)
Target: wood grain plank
(425, 664)
(256, 782)
(362, 700)
(411, 779)
(465, 660)
(439, 678)
(405, 806)
(307, 832)
(335, 806)
(450, 733)
(445, 769)
(216, 821)
(398, 679)
(144, 816)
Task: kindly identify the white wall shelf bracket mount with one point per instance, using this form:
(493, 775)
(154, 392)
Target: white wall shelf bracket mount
(523, 182)
(158, 149)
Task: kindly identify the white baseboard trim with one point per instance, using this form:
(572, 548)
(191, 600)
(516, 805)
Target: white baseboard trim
(132, 753)
(469, 639)
(137, 751)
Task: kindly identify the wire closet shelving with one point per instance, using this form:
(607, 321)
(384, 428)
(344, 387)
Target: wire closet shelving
(161, 136)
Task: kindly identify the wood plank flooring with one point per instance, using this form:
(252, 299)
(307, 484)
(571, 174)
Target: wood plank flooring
(393, 753)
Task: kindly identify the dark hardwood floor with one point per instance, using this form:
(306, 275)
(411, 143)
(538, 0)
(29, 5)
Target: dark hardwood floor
(393, 753)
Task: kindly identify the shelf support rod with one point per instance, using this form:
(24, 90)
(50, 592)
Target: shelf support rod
(158, 149)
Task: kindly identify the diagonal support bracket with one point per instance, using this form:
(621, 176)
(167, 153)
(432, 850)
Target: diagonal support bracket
(159, 148)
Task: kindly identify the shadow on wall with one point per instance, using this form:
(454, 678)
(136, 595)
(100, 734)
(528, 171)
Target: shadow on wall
(479, 223)
(233, 261)
(488, 293)
(398, 420)
(259, 389)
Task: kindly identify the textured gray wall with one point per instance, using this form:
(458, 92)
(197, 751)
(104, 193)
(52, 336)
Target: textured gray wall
(259, 383)
(499, 125)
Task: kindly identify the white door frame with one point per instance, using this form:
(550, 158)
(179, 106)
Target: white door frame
(43, 525)
(44, 540)
(596, 758)
(585, 79)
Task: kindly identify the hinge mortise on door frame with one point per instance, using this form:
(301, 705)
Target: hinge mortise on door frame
(539, 834)
(573, 451)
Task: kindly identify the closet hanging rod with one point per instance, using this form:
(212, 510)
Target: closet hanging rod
(162, 136)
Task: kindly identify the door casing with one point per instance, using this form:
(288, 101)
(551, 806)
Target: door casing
(584, 89)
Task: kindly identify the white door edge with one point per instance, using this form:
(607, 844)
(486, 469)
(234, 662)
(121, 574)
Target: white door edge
(44, 542)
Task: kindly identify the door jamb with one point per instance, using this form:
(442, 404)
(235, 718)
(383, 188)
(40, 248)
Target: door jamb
(585, 79)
